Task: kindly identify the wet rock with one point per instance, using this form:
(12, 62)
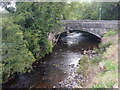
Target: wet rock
(76, 86)
(55, 53)
(85, 52)
(72, 81)
(44, 62)
(82, 49)
(72, 65)
(65, 72)
(101, 67)
(115, 86)
(34, 66)
(53, 86)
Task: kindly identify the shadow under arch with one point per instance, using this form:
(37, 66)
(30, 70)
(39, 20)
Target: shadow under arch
(90, 36)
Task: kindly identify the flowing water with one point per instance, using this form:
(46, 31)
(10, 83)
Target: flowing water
(53, 68)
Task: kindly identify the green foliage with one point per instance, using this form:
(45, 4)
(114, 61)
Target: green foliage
(110, 65)
(104, 85)
(32, 38)
(91, 11)
(97, 58)
(110, 10)
(25, 32)
(110, 32)
(107, 80)
(16, 58)
(104, 46)
(25, 35)
(84, 61)
(37, 21)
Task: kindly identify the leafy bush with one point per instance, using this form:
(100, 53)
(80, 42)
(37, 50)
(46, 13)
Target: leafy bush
(16, 58)
(38, 20)
(25, 35)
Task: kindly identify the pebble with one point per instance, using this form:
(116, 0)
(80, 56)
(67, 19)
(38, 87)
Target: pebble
(53, 86)
(72, 81)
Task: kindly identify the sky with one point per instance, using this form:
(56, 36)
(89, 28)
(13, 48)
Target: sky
(68, 1)
(12, 4)
(2, 9)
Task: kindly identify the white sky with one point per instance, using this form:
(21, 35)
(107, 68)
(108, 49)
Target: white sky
(2, 9)
(85, 0)
(12, 4)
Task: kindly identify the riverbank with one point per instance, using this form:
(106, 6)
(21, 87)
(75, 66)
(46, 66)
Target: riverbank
(97, 68)
(105, 71)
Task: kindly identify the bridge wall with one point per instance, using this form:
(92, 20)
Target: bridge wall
(96, 27)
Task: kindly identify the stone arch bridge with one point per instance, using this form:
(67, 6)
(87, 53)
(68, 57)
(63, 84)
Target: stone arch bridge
(95, 27)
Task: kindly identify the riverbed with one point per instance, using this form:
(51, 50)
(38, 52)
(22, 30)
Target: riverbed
(55, 67)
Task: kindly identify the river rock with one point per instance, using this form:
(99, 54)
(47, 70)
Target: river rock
(101, 67)
(115, 86)
(53, 86)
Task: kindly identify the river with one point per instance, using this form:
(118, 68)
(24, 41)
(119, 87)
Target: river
(55, 67)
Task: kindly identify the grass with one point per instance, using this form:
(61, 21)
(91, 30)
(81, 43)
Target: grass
(99, 57)
(84, 61)
(110, 65)
(106, 80)
(110, 32)
(96, 59)
(104, 46)
(109, 77)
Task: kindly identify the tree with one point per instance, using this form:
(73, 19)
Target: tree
(110, 10)
(16, 58)
(38, 20)
(25, 35)
(91, 11)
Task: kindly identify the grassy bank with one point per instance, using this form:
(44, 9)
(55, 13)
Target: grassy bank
(101, 69)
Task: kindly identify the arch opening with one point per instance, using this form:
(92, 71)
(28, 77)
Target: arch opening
(85, 35)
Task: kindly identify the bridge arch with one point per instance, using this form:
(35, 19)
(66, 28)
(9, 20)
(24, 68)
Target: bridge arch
(95, 27)
(83, 33)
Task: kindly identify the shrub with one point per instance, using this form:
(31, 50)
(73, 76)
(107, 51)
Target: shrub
(16, 58)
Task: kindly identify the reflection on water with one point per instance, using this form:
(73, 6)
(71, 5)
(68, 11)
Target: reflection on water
(55, 67)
